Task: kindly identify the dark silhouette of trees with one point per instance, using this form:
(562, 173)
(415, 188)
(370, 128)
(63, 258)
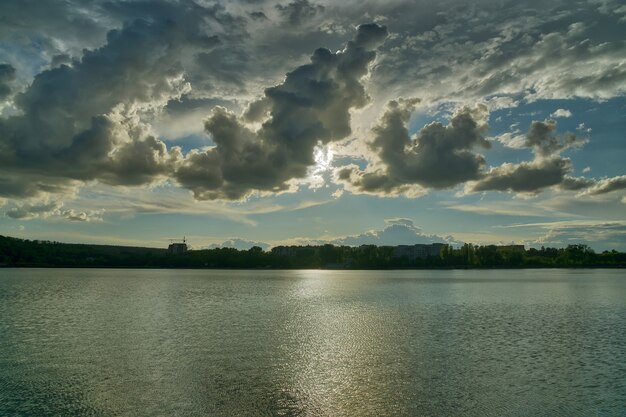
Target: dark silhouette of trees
(19, 252)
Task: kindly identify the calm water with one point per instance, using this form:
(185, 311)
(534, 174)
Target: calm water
(244, 343)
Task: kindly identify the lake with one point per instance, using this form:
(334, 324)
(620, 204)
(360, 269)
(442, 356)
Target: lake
(110, 342)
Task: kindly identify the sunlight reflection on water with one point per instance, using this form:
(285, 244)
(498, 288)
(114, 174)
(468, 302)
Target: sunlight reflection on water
(162, 342)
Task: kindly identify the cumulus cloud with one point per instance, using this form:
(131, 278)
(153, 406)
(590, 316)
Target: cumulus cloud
(89, 82)
(547, 169)
(437, 157)
(311, 107)
(239, 244)
(607, 185)
(561, 113)
(575, 183)
(526, 177)
(397, 232)
(85, 121)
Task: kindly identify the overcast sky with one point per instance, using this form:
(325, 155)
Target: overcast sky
(292, 122)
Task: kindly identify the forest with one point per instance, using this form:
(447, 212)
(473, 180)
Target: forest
(34, 253)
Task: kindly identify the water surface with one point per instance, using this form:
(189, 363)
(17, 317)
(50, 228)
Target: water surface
(320, 343)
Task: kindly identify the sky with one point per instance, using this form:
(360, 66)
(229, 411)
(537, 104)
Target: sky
(264, 122)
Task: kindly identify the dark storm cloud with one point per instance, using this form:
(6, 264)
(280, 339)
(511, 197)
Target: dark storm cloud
(7, 75)
(312, 106)
(438, 157)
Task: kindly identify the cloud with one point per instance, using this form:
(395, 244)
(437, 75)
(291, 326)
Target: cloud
(547, 169)
(239, 244)
(600, 234)
(311, 107)
(440, 50)
(398, 231)
(607, 185)
(92, 85)
(437, 157)
(561, 113)
(501, 209)
(575, 183)
(7, 75)
(29, 211)
(82, 216)
(537, 50)
(541, 139)
(298, 11)
(184, 117)
(84, 121)
(513, 140)
(258, 15)
(43, 209)
(526, 177)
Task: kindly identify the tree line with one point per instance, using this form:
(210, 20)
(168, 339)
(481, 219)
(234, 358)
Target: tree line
(20, 252)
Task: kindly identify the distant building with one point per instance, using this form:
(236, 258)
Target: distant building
(177, 248)
(437, 248)
(418, 251)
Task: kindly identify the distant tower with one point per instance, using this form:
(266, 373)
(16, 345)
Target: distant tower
(177, 247)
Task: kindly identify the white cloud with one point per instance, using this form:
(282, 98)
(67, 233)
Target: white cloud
(239, 244)
(561, 113)
(399, 231)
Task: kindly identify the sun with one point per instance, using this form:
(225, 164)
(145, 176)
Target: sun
(323, 156)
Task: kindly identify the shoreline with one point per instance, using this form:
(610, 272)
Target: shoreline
(460, 268)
